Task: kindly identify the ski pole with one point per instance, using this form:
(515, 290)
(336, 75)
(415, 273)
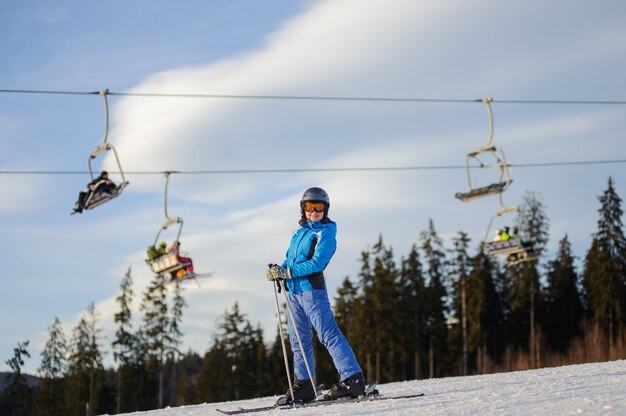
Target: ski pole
(295, 329)
(282, 341)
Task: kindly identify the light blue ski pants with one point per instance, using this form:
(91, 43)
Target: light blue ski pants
(311, 309)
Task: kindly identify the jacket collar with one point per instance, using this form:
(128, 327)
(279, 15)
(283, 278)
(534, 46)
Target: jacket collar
(311, 224)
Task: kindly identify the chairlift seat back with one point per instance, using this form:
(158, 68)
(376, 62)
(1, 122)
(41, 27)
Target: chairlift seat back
(166, 263)
(496, 248)
(95, 199)
(493, 189)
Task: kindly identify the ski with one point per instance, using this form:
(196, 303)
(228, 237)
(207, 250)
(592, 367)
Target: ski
(370, 398)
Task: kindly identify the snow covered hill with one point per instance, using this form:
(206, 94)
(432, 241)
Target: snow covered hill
(587, 389)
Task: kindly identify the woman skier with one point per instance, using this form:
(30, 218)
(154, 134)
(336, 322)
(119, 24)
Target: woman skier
(310, 251)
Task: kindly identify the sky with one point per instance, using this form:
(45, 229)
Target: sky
(588, 389)
(235, 223)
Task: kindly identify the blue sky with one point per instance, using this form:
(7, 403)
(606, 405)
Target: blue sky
(234, 224)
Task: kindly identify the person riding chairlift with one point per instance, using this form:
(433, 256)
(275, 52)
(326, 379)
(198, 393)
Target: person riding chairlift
(101, 185)
(157, 251)
(175, 248)
(505, 236)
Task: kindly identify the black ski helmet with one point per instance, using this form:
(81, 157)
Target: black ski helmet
(315, 194)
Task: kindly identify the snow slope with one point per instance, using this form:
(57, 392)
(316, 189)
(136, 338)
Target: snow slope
(587, 389)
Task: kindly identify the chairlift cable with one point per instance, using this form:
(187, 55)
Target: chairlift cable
(51, 92)
(305, 170)
(318, 98)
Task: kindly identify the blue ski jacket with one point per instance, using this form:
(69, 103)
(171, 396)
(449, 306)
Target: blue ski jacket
(310, 251)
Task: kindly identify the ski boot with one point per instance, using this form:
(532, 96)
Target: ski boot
(302, 393)
(353, 386)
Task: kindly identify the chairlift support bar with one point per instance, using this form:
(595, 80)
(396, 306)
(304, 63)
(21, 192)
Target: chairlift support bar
(488, 147)
(167, 182)
(501, 211)
(104, 146)
(168, 221)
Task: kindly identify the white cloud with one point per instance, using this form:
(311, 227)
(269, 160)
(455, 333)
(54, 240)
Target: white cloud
(562, 129)
(159, 132)
(20, 192)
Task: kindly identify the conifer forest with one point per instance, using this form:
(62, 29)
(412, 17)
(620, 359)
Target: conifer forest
(443, 309)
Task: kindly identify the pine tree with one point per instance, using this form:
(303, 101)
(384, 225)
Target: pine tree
(215, 383)
(533, 222)
(184, 393)
(50, 395)
(155, 328)
(229, 371)
(144, 380)
(412, 302)
(460, 268)
(53, 363)
(346, 315)
(236, 336)
(517, 295)
(370, 313)
(345, 307)
(533, 225)
(277, 373)
(362, 328)
(384, 311)
(85, 371)
(564, 309)
(124, 342)
(175, 333)
(436, 329)
(484, 312)
(254, 353)
(16, 399)
(261, 375)
(345, 310)
(188, 368)
(176, 318)
(604, 275)
(231, 338)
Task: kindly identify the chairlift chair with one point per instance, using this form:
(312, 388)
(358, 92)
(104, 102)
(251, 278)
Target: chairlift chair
(96, 198)
(504, 179)
(169, 263)
(513, 248)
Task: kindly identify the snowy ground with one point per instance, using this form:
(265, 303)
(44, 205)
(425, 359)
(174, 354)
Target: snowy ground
(588, 389)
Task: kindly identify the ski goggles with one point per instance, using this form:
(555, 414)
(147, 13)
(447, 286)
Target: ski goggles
(314, 206)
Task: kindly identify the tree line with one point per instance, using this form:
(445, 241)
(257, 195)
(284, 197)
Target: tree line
(436, 311)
